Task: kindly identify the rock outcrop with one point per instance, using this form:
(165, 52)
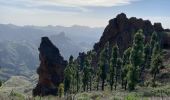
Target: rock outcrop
(121, 30)
(51, 69)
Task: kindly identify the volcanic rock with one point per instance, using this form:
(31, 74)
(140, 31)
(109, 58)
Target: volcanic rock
(121, 30)
(51, 69)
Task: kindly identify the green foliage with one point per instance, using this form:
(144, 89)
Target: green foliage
(125, 65)
(61, 90)
(118, 71)
(147, 57)
(104, 63)
(137, 52)
(113, 65)
(154, 39)
(16, 95)
(83, 96)
(116, 98)
(91, 71)
(156, 62)
(77, 76)
(85, 76)
(111, 69)
(132, 77)
(132, 97)
(136, 59)
(68, 75)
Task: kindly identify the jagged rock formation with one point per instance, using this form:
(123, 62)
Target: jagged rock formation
(51, 69)
(121, 30)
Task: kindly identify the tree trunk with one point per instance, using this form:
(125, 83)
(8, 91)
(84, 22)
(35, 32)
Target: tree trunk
(77, 86)
(116, 83)
(125, 84)
(87, 86)
(84, 87)
(103, 81)
(98, 80)
(111, 87)
(90, 83)
(122, 83)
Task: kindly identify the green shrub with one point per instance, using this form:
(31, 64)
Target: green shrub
(83, 96)
(95, 97)
(132, 97)
(61, 90)
(16, 95)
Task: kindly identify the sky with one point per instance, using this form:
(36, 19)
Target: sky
(92, 13)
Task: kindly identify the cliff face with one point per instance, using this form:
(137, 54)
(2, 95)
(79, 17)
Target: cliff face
(121, 30)
(51, 69)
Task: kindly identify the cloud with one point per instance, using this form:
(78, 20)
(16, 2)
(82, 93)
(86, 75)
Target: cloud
(64, 5)
(102, 3)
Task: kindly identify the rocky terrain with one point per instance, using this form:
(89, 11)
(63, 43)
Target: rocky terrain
(51, 69)
(120, 29)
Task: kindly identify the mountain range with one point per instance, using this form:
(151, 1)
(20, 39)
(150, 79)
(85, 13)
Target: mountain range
(18, 45)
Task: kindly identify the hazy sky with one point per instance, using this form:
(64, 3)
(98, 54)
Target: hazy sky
(81, 12)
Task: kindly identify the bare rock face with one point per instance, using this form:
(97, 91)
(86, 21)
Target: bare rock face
(51, 69)
(121, 30)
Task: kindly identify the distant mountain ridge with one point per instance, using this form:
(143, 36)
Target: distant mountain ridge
(75, 32)
(18, 45)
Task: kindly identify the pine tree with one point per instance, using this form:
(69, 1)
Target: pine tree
(156, 61)
(90, 54)
(117, 71)
(77, 76)
(69, 75)
(104, 63)
(67, 79)
(147, 56)
(136, 59)
(154, 40)
(113, 65)
(98, 73)
(81, 60)
(146, 62)
(125, 65)
(149, 49)
(86, 74)
(72, 64)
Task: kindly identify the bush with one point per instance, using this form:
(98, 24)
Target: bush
(95, 97)
(16, 95)
(83, 96)
(132, 97)
(61, 90)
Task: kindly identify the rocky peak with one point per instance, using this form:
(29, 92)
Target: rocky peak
(121, 30)
(51, 69)
(121, 16)
(50, 51)
(158, 27)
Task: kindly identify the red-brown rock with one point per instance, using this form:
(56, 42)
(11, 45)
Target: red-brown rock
(51, 69)
(121, 30)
